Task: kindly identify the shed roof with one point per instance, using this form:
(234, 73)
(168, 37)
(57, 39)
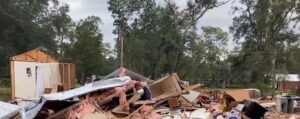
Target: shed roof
(35, 55)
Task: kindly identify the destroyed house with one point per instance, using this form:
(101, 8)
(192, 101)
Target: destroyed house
(64, 100)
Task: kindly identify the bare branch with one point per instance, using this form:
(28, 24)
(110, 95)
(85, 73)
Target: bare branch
(169, 4)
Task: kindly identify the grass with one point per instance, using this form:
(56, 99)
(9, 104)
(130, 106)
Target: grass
(5, 94)
(5, 91)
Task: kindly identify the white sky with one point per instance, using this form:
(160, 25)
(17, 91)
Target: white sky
(80, 9)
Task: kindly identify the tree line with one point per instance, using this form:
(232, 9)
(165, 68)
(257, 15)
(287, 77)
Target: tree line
(160, 39)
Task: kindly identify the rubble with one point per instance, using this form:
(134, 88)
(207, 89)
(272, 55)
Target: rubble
(119, 96)
(273, 114)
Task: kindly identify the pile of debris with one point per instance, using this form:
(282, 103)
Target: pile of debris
(125, 94)
(164, 98)
(273, 114)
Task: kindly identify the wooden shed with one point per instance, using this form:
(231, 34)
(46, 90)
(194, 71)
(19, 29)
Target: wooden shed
(34, 73)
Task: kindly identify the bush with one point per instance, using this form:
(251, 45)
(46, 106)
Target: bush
(235, 86)
(5, 82)
(264, 88)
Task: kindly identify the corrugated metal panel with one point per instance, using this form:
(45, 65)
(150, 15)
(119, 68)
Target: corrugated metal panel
(91, 87)
(8, 110)
(31, 108)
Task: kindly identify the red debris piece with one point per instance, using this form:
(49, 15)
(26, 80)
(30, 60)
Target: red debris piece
(146, 112)
(86, 107)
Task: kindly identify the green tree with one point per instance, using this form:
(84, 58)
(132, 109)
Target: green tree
(122, 11)
(263, 29)
(156, 38)
(207, 51)
(188, 20)
(25, 25)
(86, 48)
(63, 25)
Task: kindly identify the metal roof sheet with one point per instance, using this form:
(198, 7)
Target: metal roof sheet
(31, 109)
(8, 110)
(91, 87)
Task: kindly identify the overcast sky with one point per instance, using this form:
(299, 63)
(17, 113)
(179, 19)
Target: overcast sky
(80, 9)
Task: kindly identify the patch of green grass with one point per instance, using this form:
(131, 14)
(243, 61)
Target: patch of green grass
(4, 82)
(5, 94)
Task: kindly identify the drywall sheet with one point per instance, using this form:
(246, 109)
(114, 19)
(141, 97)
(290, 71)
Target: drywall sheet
(40, 81)
(25, 79)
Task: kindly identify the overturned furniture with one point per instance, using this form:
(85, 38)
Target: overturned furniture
(35, 73)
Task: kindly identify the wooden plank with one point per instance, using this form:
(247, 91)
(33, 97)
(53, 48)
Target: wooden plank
(63, 75)
(33, 58)
(193, 87)
(37, 54)
(60, 71)
(141, 102)
(12, 76)
(69, 73)
(25, 57)
(66, 75)
(74, 75)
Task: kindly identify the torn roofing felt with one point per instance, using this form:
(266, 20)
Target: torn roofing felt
(131, 74)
